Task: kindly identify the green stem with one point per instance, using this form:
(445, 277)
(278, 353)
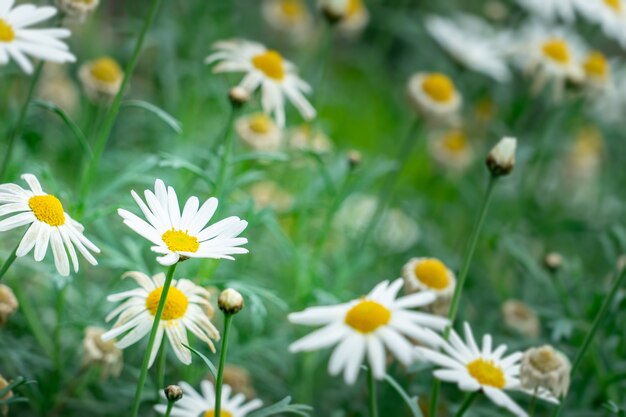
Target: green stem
(111, 115)
(161, 369)
(227, 141)
(7, 264)
(60, 308)
(155, 326)
(469, 400)
(17, 131)
(562, 293)
(533, 403)
(228, 320)
(32, 319)
(168, 411)
(371, 386)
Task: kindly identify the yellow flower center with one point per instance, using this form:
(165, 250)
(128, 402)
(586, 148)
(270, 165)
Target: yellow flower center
(589, 141)
(292, 9)
(545, 359)
(596, 65)
(354, 7)
(270, 63)
(175, 307)
(7, 34)
(47, 209)
(616, 5)
(106, 70)
(367, 316)
(438, 87)
(557, 50)
(432, 273)
(223, 413)
(179, 241)
(455, 141)
(260, 123)
(486, 372)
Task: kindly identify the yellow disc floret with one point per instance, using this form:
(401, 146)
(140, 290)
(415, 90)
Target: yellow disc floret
(270, 63)
(615, 5)
(180, 241)
(7, 34)
(47, 209)
(211, 413)
(175, 305)
(106, 70)
(486, 372)
(557, 50)
(596, 65)
(354, 7)
(260, 123)
(292, 9)
(455, 141)
(438, 87)
(432, 273)
(367, 316)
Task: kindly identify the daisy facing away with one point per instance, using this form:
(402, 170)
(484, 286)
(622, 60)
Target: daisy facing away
(365, 326)
(185, 309)
(49, 224)
(178, 236)
(194, 404)
(17, 39)
(267, 69)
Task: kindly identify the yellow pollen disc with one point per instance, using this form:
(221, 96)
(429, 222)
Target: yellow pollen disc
(432, 273)
(616, 5)
(179, 241)
(175, 305)
(438, 87)
(47, 209)
(260, 123)
(7, 34)
(271, 64)
(106, 70)
(487, 373)
(223, 413)
(455, 141)
(354, 7)
(292, 9)
(367, 316)
(557, 50)
(596, 65)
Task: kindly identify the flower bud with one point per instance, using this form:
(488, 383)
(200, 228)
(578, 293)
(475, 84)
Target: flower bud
(334, 10)
(354, 158)
(501, 159)
(238, 96)
(8, 303)
(546, 368)
(230, 301)
(553, 261)
(173, 393)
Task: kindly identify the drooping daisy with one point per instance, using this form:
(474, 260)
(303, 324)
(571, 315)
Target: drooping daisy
(259, 132)
(291, 17)
(178, 236)
(434, 95)
(363, 327)
(430, 274)
(49, 225)
(609, 14)
(194, 404)
(101, 79)
(185, 309)
(17, 40)
(471, 42)
(452, 149)
(475, 368)
(267, 69)
(551, 9)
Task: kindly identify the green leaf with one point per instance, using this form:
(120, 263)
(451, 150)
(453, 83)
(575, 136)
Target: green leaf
(283, 406)
(167, 118)
(206, 360)
(20, 380)
(412, 402)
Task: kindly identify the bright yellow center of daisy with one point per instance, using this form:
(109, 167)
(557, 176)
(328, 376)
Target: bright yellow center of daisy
(596, 65)
(7, 34)
(260, 123)
(106, 70)
(223, 413)
(616, 5)
(455, 141)
(438, 87)
(179, 241)
(293, 9)
(557, 50)
(354, 7)
(47, 209)
(432, 273)
(175, 305)
(270, 63)
(486, 372)
(367, 316)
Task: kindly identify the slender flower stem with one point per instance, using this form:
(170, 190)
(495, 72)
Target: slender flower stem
(371, 386)
(594, 329)
(227, 142)
(168, 411)
(155, 326)
(228, 320)
(107, 125)
(7, 264)
(161, 369)
(469, 400)
(533, 403)
(17, 131)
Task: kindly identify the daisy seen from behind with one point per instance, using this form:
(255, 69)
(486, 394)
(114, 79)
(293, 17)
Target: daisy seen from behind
(49, 224)
(185, 309)
(18, 40)
(362, 328)
(265, 69)
(180, 235)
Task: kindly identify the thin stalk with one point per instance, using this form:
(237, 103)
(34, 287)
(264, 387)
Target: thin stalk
(533, 403)
(161, 359)
(155, 326)
(469, 400)
(228, 320)
(60, 308)
(7, 264)
(168, 411)
(371, 387)
(17, 131)
(562, 293)
(227, 141)
(33, 320)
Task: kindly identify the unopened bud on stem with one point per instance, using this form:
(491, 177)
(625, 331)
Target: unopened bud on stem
(230, 301)
(501, 159)
(238, 96)
(173, 393)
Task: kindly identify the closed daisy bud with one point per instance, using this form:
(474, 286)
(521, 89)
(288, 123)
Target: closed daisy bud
(355, 20)
(104, 354)
(238, 96)
(553, 261)
(334, 10)
(8, 303)
(430, 274)
(78, 9)
(4, 409)
(545, 368)
(434, 95)
(521, 318)
(230, 301)
(501, 159)
(101, 79)
(173, 393)
(354, 158)
(259, 132)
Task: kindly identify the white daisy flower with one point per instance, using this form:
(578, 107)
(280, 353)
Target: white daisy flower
(181, 236)
(551, 9)
(429, 274)
(194, 404)
(597, 71)
(185, 309)
(259, 132)
(355, 19)
(365, 326)
(434, 95)
(265, 68)
(101, 79)
(471, 42)
(49, 225)
(291, 17)
(17, 40)
(452, 149)
(475, 368)
(609, 14)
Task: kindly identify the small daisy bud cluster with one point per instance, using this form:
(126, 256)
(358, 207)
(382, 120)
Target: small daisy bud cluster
(544, 367)
(8, 303)
(173, 393)
(230, 301)
(501, 159)
(78, 9)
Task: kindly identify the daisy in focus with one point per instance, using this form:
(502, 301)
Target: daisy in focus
(49, 224)
(362, 329)
(194, 404)
(551, 9)
(609, 14)
(291, 17)
(434, 95)
(17, 40)
(267, 69)
(178, 236)
(185, 309)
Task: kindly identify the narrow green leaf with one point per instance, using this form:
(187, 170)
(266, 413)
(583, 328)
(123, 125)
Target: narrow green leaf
(167, 118)
(412, 402)
(206, 360)
(283, 406)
